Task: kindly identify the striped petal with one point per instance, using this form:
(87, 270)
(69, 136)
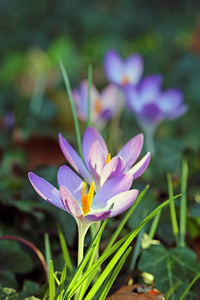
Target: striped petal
(74, 159)
(140, 167)
(131, 150)
(113, 169)
(46, 190)
(70, 203)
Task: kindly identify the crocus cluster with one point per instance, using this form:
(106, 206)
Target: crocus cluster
(109, 179)
(144, 97)
(104, 105)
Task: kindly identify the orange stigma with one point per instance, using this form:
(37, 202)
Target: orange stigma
(97, 106)
(125, 80)
(108, 158)
(86, 200)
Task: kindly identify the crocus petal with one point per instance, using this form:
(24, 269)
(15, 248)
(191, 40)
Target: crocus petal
(122, 202)
(140, 167)
(113, 169)
(177, 113)
(150, 88)
(151, 113)
(131, 150)
(96, 161)
(91, 135)
(170, 100)
(46, 190)
(73, 182)
(70, 202)
(111, 101)
(98, 216)
(74, 159)
(133, 98)
(133, 68)
(111, 188)
(113, 66)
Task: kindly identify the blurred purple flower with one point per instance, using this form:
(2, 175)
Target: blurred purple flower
(122, 72)
(153, 105)
(84, 206)
(98, 165)
(104, 105)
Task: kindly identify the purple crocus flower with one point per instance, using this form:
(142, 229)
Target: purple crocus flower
(104, 105)
(73, 197)
(151, 105)
(98, 165)
(122, 72)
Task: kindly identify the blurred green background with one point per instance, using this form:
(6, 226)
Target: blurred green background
(34, 105)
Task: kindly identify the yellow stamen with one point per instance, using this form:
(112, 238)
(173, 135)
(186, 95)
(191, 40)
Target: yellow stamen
(125, 80)
(97, 106)
(86, 200)
(108, 158)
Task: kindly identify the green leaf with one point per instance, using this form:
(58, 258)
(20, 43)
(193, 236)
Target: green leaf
(169, 267)
(65, 250)
(52, 289)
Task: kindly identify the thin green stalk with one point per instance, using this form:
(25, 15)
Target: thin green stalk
(126, 217)
(184, 177)
(47, 251)
(52, 289)
(172, 210)
(136, 249)
(154, 226)
(89, 97)
(68, 88)
(65, 250)
(189, 286)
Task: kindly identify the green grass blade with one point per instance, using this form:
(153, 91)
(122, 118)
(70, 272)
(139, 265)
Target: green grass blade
(69, 92)
(52, 288)
(126, 240)
(110, 279)
(84, 261)
(62, 283)
(154, 226)
(89, 95)
(189, 286)
(184, 177)
(47, 250)
(136, 249)
(126, 217)
(65, 250)
(172, 210)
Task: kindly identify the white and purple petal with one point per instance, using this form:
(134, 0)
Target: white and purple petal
(90, 136)
(178, 112)
(111, 188)
(96, 162)
(113, 169)
(98, 216)
(74, 159)
(113, 66)
(46, 190)
(69, 179)
(133, 68)
(140, 167)
(131, 150)
(69, 202)
(170, 100)
(122, 202)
